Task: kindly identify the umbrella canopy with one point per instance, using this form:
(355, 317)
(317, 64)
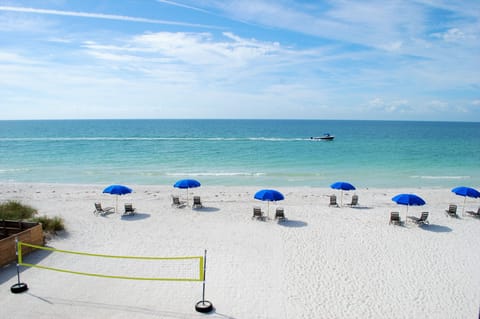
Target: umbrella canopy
(466, 192)
(117, 190)
(343, 186)
(268, 195)
(186, 184)
(408, 200)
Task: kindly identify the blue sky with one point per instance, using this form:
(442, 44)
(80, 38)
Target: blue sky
(339, 59)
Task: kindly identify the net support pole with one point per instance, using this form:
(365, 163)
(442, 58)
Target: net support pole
(204, 273)
(16, 254)
(203, 305)
(19, 286)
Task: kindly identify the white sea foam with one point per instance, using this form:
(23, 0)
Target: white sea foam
(76, 139)
(441, 177)
(216, 174)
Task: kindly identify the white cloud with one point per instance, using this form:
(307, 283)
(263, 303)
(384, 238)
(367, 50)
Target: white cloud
(100, 16)
(476, 102)
(451, 35)
(351, 53)
(181, 5)
(390, 106)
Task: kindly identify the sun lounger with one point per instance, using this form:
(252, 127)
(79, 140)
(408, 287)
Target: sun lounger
(354, 201)
(473, 213)
(452, 211)
(129, 210)
(103, 211)
(280, 214)
(177, 203)
(422, 220)
(333, 201)
(395, 218)
(197, 203)
(258, 214)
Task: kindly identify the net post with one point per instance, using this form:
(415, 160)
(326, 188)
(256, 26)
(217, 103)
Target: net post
(204, 272)
(203, 305)
(19, 286)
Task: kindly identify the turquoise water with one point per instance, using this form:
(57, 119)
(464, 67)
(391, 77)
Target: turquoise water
(241, 152)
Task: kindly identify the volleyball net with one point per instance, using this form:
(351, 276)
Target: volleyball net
(186, 268)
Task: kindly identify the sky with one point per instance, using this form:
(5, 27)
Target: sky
(257, 59)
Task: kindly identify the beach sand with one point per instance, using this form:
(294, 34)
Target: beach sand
(323, 262)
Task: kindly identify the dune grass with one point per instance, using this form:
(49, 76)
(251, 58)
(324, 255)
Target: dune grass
(14, 210)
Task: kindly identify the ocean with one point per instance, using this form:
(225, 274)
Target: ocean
(266, 153)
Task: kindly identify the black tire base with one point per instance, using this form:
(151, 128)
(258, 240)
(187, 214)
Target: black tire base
(19, 288)
(204, 306)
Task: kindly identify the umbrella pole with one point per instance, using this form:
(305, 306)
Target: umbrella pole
(463, 208)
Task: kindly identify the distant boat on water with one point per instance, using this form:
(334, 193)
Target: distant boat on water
(325, 137)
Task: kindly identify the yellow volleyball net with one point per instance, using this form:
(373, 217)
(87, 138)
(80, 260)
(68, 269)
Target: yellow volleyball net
(186, 268)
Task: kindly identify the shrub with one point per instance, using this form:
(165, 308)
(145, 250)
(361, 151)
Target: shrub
(16, 211)
(50, 224)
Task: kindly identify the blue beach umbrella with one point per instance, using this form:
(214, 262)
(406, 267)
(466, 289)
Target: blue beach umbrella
(343, 186)
(186, 184)
(408, 200)
(466, 192)
(268, 195)
(117, 190)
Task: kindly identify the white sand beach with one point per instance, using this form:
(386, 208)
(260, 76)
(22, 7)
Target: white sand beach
(323, 262)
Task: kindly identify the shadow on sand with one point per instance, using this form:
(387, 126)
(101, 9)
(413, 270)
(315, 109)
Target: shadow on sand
(293, 223)
(134, 311)
(9, 272)
(436, 228)
(136, 216)
(359, 207)
(206, 209)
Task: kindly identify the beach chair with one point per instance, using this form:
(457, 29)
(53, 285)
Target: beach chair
(333, 201)
(197, 203)
(280, 214)
(129, 210)
(452, 211)
(422, 220)
(177, 203)
(395, 218)
(258, 214)
(103, 211)
(354, 201)
(473, 213)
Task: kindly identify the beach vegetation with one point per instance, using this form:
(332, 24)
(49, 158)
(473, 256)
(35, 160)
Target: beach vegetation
(50, 225)
(14, 210)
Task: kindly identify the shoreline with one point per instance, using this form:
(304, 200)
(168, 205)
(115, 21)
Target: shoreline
(323, 262)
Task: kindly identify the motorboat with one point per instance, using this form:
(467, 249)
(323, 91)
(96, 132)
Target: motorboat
(325, 137)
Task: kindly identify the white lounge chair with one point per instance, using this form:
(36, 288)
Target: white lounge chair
(258, 214)
(422, 220)
(177, 202)
(280, 214)
(197, 203)
(103, 211)
(333, 201)
(354, 201)
(395, 218)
